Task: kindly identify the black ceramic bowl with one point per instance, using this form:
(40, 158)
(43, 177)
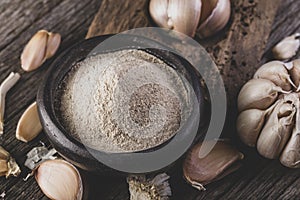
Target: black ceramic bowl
(72, 149)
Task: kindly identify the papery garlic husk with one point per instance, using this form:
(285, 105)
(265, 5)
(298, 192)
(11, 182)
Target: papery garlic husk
(41, 46)
(258, 94)
(187, 16)
(59, 179)
(149, 189)
(215, 15)
(295, 73)
(5, 86)
(276, 72)
(287, 48)
(29, 125)
(290, 157)
(8, 165)
(222, 160)
(178, 15)
(277, 130)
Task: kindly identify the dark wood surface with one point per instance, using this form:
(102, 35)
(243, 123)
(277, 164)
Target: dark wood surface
(259, 178)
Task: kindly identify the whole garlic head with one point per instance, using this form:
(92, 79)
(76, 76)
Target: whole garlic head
(186, 16)
(269, 107)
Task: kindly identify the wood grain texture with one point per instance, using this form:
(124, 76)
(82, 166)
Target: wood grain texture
(238, 51)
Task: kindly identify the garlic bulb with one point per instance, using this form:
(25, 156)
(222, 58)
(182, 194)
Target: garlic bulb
(186, 16)
(222, 160)
(269, 115)
(58, 179)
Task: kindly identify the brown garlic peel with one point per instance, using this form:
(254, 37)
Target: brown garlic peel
(272, 125)
(40, 47)
(8, 165)
(59, 179)
(222, 160)
(156, 188)
(187, 16)
(287, 48)
(29, 125)
(5, 86)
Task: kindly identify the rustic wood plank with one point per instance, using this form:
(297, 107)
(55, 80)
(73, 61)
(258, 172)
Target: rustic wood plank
(19, 21)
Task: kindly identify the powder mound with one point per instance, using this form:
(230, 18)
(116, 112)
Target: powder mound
(124, 101)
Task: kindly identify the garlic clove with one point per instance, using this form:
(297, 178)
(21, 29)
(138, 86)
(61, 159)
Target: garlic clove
(295, 73)
(215, 15)
(158, 11)
(8, 165)
(222, 160)
(258, 94)
(249, 125)
(34, 52)
(59, 179)
(277, 130)
(179, 15)
(290, 156)
(287, 48)
(53, 43)
(29, 125)
(276, 72)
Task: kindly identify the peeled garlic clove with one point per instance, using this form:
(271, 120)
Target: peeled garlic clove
(287, 48)
(276, 72)
(249, 125)
(59, 179)
(179, 15)
(222, 160)
(29, 125)
(53, 43)
(295, 73)
(290, 156)
(34, 52)
(258, 94)
(8, 165)
(215, 15)
(148, 189)
(276, 131)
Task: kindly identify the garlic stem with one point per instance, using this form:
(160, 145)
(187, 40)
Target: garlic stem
(6, 85)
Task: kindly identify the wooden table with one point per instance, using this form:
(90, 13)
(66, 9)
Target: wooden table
(259, 178)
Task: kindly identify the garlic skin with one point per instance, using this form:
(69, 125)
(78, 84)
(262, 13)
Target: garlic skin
(287, 48)
(269, 114)
(40, 47)
(58, 179)
(8, 165)
(5, 86)
(187, 16)
(222, 160)
(157, 188)
(29, 125)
